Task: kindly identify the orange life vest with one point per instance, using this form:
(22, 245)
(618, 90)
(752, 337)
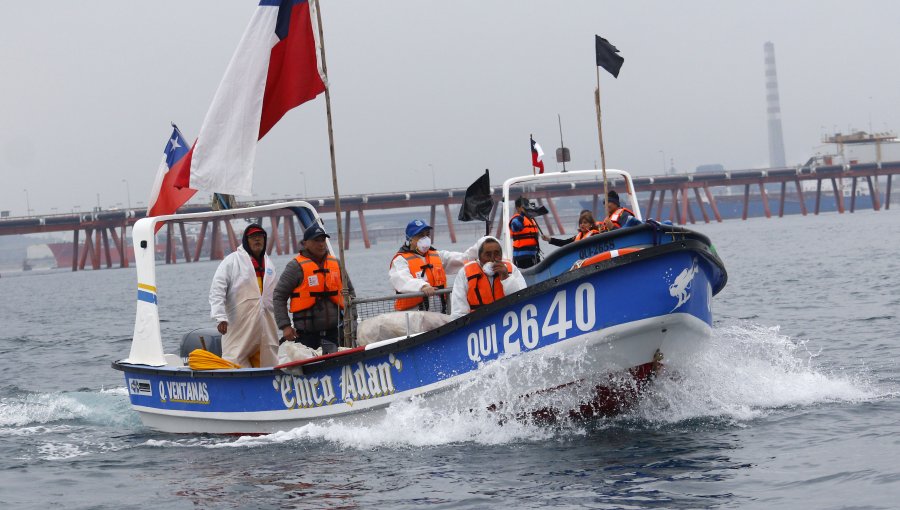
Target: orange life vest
(317, 282)
(582, 235)
(527, 237)
(614, 217)
(480, 291)
(428, 266)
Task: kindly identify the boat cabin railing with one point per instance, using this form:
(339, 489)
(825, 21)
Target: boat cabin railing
(366, 308)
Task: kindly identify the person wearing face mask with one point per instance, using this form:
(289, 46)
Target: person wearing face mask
(418, 267)
(484, 280)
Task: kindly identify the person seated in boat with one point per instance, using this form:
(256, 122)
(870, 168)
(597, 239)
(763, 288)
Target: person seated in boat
(586, 228)
(419, 267)
(617, 215)
(485, 280)
(525, 235)
(240, 299)
(310, 288)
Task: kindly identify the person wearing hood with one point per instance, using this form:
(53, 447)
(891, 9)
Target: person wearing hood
(240, 299)
(418, 267)
(485, 280)
(616, 214)
(310, 288)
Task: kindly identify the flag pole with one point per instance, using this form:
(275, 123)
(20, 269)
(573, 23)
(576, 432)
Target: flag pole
(531, 137)
(600, 134)
(345, 291)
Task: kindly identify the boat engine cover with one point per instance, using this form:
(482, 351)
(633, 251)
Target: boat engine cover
(192, 340)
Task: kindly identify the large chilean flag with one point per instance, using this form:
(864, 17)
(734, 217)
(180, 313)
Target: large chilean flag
(273, 70)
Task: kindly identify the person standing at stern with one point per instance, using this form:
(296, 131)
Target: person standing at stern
(240, 299)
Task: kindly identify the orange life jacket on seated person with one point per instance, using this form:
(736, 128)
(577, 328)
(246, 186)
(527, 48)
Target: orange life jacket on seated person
(317, 283)
(614, 217)
(527, 237)
(481, 292)
(581, 235)
(428, 266)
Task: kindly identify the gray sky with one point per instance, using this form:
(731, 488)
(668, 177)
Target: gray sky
(88, 89)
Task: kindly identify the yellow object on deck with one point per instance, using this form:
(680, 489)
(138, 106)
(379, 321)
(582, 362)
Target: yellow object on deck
(200, 359)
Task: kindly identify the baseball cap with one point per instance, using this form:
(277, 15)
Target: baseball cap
(314, 231)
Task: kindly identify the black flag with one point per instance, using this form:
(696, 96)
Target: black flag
(607, 56)
(478, 202)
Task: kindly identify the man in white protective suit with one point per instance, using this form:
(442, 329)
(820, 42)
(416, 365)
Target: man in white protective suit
(240, 299)
(488, 278)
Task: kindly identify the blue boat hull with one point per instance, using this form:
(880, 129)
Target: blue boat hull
(584, 325)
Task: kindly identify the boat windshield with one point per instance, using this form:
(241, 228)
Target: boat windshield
(583, 188)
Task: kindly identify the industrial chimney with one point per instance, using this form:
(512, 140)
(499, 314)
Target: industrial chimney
(773, 110)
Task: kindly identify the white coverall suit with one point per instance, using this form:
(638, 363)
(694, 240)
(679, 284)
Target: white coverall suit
(234, 296)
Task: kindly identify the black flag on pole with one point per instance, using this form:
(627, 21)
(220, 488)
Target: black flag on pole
(478, 202)
(608, 57)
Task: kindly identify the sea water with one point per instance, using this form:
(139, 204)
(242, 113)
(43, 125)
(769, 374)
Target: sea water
(794, 401)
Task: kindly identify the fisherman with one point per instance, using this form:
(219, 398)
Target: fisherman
(586, 228)
(312, 281)
(240, 299)
(525, 235)
(418, 267)
(484, 280)
(617, 215)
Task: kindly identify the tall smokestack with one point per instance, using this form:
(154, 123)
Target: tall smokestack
(773, 109)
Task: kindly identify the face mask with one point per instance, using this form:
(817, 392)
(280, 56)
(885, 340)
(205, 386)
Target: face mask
(423, 244)
(488, 269)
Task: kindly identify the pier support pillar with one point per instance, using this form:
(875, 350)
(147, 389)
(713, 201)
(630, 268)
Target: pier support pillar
(873, 192)
(274, 240)
(95, 255)
(781, 200)
(712, 204)
(347, 229)
(662, 202)
(765, 199)
(362, 226)
(700, 204)
(450, 222)
(686, 213)
(200, 239)
(838, 196)
(818, 195)
(293, 234)
(215, 241)
(184, 242)
(106, 252)
(853, 195)
(649, 212)
(887, 195)
(674, 211)
(232, 239)
(594, 203)
(432, 216)
(170, 243)
(78, 230)
(555, 214)
(746, 201)
(801, 197)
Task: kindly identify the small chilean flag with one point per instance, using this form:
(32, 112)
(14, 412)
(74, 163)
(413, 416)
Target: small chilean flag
(273, 70)
(165, 197)
(537, 156)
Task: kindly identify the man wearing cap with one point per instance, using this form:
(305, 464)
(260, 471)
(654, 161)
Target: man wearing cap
(240, 299)
(310, 288)
(418, 267)
(525, 234)
(617, 215)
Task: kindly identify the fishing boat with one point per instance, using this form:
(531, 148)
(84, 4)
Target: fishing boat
(604, 307)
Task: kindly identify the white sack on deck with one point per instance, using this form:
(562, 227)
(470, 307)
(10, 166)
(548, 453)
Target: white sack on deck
(392, 325)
